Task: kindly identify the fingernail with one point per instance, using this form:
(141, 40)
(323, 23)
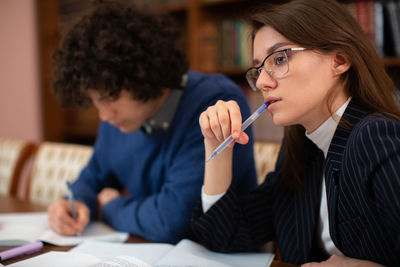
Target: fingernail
(235, 134)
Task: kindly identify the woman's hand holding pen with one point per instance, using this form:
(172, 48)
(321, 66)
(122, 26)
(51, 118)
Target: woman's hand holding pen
(61, 220)
(217, 123)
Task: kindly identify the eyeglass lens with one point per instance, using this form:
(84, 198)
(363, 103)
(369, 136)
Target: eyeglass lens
(276, 65)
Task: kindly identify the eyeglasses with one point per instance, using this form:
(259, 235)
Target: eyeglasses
(275, 64)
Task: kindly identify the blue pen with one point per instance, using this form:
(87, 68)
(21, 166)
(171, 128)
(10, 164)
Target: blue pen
(72, 202)
(245, 124)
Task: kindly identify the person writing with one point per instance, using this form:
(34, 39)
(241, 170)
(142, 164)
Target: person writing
(146, 171)
(333, 197)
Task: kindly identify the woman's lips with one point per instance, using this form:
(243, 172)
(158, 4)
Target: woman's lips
(272, 100)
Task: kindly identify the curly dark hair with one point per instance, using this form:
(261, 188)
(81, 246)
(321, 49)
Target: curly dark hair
(116, 47)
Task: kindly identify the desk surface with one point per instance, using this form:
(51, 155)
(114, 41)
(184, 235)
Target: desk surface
(9, 204)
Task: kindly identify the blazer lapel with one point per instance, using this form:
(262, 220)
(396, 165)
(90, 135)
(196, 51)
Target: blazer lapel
(352, 115)
(307, 207)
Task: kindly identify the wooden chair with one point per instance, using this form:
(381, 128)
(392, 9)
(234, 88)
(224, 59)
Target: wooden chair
(53, 165)
(13, 156)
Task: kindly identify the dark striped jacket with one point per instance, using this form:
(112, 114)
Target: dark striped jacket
(362, 173)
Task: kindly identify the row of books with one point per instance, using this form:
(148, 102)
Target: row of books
(380, 20)
(225, 45)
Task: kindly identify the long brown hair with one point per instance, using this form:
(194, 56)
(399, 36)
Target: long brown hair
(326, 26)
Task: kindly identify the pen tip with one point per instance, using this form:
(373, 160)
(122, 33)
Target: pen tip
(210, 158)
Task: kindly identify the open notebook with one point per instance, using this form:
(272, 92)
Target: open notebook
(21, 228)
(185, 254)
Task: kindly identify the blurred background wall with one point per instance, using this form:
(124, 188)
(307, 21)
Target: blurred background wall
(20, 115)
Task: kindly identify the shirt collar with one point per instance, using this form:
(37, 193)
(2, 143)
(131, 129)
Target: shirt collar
(323, 135)
(163, 118)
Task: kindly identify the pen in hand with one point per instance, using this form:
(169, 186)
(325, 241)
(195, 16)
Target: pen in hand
(245, 124)
(72, 202)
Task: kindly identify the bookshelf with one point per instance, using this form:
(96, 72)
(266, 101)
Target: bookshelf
(202, 24)
(201, 12)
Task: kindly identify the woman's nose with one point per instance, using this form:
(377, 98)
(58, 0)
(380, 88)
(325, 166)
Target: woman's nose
(266, 81)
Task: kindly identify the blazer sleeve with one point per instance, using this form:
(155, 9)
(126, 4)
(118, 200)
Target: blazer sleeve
(235, 224)
(378, 153)
(376, 159)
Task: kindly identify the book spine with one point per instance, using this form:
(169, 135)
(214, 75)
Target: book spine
(208, 44)
(379, 29)
(362, 15)
(371, 21)
(226, 44)
(394, 25)
(245, 46)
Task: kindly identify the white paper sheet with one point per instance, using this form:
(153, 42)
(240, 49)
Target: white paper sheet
(187, 251)
(147, 252)
(58, 259)
(185, 254)
(21, 228)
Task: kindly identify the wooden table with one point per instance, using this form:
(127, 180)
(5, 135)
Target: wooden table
(9, 204)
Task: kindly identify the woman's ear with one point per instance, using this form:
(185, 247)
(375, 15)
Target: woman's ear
(340, 64)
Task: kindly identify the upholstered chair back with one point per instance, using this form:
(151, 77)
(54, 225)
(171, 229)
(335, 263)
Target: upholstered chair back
(13, 155)
(54, 164)
(265, 156)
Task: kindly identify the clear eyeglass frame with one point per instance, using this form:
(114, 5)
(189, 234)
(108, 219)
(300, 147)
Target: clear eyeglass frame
(275, 64)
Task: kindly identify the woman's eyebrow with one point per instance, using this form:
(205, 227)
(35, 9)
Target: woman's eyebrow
(277, 46)
(272, 49)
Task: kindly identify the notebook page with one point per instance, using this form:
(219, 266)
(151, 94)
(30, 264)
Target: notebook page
(21, 228)
(147, 252)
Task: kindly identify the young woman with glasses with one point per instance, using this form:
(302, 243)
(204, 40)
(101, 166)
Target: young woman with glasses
(333, 199)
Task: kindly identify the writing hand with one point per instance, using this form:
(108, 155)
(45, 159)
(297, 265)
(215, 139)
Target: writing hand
(60, 217)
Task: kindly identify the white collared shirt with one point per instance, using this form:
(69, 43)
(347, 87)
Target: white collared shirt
(322, 137)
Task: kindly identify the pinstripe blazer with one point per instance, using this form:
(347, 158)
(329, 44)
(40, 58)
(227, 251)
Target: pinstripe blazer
(362, 171)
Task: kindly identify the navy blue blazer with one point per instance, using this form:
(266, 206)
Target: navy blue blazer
(362, 171)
